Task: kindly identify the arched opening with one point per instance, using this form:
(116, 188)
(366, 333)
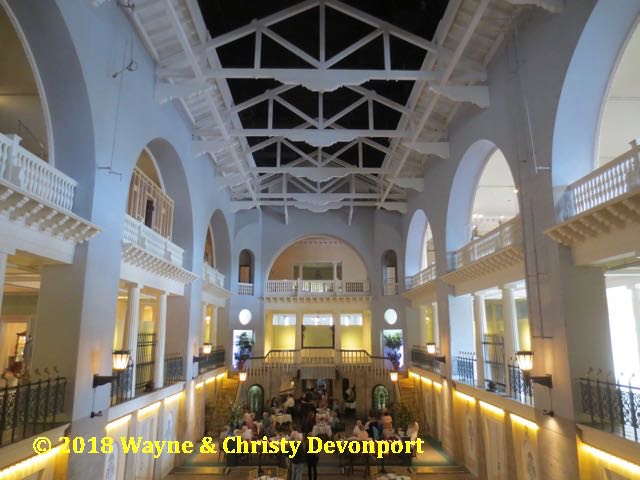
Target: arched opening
(209, 249)
(380, 397)
(415, 244)
(22, 104)
(147, 201)
(255, 399)
(245, 262)
(389, 273)
(221, 243)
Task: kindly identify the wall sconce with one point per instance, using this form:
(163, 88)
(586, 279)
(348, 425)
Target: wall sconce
(119, 362)
(242, 376)
(525, 362)
(431, 350)
(393, 375)
(206, 348)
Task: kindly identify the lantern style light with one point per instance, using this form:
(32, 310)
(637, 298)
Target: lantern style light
(243, 376)
(525, 360)
(120, 360)
(431, 348)
(206, 348)
(393, 374)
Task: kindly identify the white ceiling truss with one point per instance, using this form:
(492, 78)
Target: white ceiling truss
(453, 74)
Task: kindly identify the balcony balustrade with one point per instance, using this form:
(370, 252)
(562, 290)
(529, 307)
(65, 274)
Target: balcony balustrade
(27, 171)
(423, 276)
(30, 408)
(614, 179)
(245, 288)
(144, 192)
(214, 360)
(501, 237)
(422, 359)
(138, 234)
(212, 276)
(173, 369)
(390, 288)
(300, 288)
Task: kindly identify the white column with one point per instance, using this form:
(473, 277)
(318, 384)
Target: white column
(213, 325)
(133, 317)
(480, 324)
(3, 271)
(158, 370)
(203, 322)
(335, 271)
(337, 341)
(436, 325)
(298, 344)
(510, 330)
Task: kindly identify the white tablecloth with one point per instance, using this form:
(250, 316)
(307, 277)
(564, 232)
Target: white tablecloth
(321, 430)
(282, 418)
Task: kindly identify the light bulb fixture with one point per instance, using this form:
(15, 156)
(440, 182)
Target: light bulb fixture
(206, 348)
(120, 360)
(433, 352)
(393, 375)
(525, 363)
(525, 360)
(431, 348)
(242, 375)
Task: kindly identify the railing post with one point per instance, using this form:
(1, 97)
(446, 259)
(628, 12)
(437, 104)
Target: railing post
(12, 169)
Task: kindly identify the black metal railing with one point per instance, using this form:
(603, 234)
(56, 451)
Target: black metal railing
(612, 406)
(145, 361)
(121, 385)
(173, 369)
(494, 368)
(212, 361)
(464, 367)
(520, 387)
(30, 408)
(422, 359)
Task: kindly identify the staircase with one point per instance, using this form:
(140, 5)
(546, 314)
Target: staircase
(412, 397)
(224, 398)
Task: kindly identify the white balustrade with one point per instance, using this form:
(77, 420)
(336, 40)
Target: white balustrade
(423, 276)
(503, 236)
(137, 233)
(617, 177)
(30, 173)
(316, 287)
(390, 288)
(245, 288)
(212, 276)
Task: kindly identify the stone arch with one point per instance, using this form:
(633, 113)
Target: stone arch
(415, 239)
(579, 113)
(462, 196)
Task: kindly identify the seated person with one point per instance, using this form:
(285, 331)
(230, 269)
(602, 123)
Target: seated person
(246, 433)
(289, 404)
(270, 429)
(358, 429)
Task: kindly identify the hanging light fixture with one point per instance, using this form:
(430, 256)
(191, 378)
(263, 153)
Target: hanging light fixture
(206, 348)
(393, 375)
(431, 348)
(242, 376)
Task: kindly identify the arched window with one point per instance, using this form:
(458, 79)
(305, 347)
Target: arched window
(255, 399)
(389, 273)
(379, 397)
(210, 250)
(245, 273)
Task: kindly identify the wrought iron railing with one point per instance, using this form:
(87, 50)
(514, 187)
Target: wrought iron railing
(145, 362)
(494, 367)
(212, 361)
(30, 408)
(121, 385)
(423, 359)
(173, 369)
(612, 406)
(520, 387)
(464, 365)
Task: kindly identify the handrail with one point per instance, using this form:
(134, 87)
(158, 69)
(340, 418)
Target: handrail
(617, 177)
(423, 276)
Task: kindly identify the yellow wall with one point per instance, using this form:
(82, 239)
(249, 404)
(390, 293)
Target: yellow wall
(596, 465)
(284, 338)
(351, 338)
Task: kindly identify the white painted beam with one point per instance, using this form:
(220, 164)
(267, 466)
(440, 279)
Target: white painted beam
(553, 6)
(439, 149)
(165, 91)
(200, 147)
(476, 94)
(317, 138)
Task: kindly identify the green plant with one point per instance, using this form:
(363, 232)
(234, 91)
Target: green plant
(245, 346)
(403, 415)
(235, 415)
(393, 343)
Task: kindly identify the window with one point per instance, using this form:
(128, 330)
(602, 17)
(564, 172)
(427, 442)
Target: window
(317, 319)
(351, 319)
(283, 319)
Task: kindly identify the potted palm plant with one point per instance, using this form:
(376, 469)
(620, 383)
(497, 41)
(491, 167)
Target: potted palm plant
(245, 346)
(393, 344)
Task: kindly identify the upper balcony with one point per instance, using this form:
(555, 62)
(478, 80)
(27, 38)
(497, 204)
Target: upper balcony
(604, 203)
(422, 284)
(36, 201)
(316, 289)
(495, 258)
(213, 290)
